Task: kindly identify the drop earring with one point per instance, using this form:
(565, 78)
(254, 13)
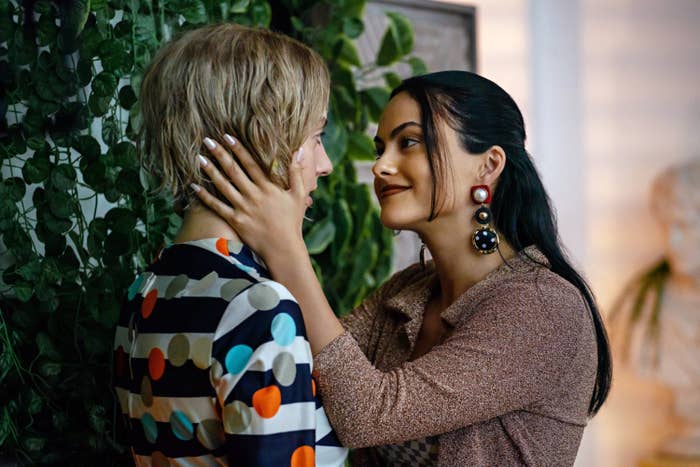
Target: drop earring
(485, 238)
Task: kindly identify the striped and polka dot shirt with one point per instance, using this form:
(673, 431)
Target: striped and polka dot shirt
(213, 366)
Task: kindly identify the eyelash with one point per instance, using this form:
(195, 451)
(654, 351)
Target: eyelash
(403, 144)
(320, 136)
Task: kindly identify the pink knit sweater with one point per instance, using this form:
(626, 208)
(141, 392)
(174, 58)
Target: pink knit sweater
(511, 384)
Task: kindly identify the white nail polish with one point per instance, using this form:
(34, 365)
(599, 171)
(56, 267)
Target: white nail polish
(195, 187)
(202, 161)
(299, 154)
(229, 139)
(208, 142)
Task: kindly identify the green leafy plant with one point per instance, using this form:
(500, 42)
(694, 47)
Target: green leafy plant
(79, 218)
(640, 304)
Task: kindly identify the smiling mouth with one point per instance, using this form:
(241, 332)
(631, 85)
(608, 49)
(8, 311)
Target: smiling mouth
(392, 190)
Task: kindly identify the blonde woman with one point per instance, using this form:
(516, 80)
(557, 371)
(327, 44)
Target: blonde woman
(213, 366)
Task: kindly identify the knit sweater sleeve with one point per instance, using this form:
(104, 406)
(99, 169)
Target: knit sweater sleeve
(508, 354)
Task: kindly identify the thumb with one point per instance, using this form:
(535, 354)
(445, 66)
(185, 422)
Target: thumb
(296, 179)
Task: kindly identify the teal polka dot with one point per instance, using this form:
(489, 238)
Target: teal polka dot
(181, 426)
(150, 429)
(135, 287)
(283, 329)
(237, 358)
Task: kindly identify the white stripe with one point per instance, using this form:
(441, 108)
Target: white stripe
(161, 284)
(323, 427)
(206, 460)
(262, 360)
(330, 456)
(240, 309)
(196, 409)
(290, 417)
(147, 341)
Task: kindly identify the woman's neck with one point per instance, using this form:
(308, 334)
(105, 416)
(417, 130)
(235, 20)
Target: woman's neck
(200, 222)
(458, 264)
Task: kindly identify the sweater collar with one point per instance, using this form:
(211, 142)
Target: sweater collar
(411, 300)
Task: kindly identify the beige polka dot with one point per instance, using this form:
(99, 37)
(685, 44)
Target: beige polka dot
(204, 284)
(215, 373)
(123, 401)
(237, 417)
(178, 350)
(263, 297)
(158, 459)
(211, 433)
(201, 353)
(232, 288)
(176, 286)
(146, 392)
(284, 368)
(234, 246)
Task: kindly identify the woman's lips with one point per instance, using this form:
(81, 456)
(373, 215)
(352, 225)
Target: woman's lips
(392, 191)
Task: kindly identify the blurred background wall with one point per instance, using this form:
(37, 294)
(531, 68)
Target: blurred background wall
(610, 94)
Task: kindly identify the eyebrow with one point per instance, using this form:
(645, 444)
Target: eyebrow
(397, 130)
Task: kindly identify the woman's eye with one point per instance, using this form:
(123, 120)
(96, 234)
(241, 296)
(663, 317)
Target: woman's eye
(378, 152)
(408, 142)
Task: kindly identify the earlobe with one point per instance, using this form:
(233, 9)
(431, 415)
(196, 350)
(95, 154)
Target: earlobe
(493, 164)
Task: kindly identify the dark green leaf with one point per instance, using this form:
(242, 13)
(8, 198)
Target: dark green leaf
(61, 204)
(46, 346)
(115, 57)
(104, 84)
(397, 40)
(353, 27)
(36, 169)
(418, 66)
(98, 105)
(375, 100)
(63, 177)
(127, 97)
(392, 79)
(110, 131)
(121, 220)
(74, 14)
(23, 292)
(347, 52)
(320, 236)
(124, 154)
(88, 147)
(15, 188)
(239, 6)
(360, 147)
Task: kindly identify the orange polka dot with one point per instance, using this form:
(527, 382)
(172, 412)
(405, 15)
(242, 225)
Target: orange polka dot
(222, 246)
(313, 388)
(156, 363)
(267, 401)
(149, 302)
(303, 457)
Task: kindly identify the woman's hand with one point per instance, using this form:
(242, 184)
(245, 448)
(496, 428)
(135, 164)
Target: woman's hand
(266, 217)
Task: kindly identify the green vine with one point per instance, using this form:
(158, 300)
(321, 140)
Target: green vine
(78, 218)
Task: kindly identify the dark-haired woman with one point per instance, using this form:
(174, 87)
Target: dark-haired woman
(494, 353)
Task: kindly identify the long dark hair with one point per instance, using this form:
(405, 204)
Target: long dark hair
(484, 115)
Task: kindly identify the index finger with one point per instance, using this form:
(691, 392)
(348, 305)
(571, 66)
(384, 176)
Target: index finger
(246, 160)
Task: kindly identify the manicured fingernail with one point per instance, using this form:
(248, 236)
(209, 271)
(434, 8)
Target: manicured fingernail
(229, 139)
(297, 159)
(195, 187)
(208, 142)
(202, 160)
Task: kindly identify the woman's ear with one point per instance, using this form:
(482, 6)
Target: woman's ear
(493, 163)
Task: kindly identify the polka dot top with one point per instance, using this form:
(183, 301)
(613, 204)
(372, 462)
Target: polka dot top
(213, 366)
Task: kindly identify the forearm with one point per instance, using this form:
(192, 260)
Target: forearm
(295, 272)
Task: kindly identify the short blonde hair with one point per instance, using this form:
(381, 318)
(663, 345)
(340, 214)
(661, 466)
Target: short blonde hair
(268, 90)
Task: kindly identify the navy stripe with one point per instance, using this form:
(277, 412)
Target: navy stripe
(196, 262)
(251, 381)
(184, 381)
(331, 439)
(269, 450)
(183, 314)
(256, 329)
